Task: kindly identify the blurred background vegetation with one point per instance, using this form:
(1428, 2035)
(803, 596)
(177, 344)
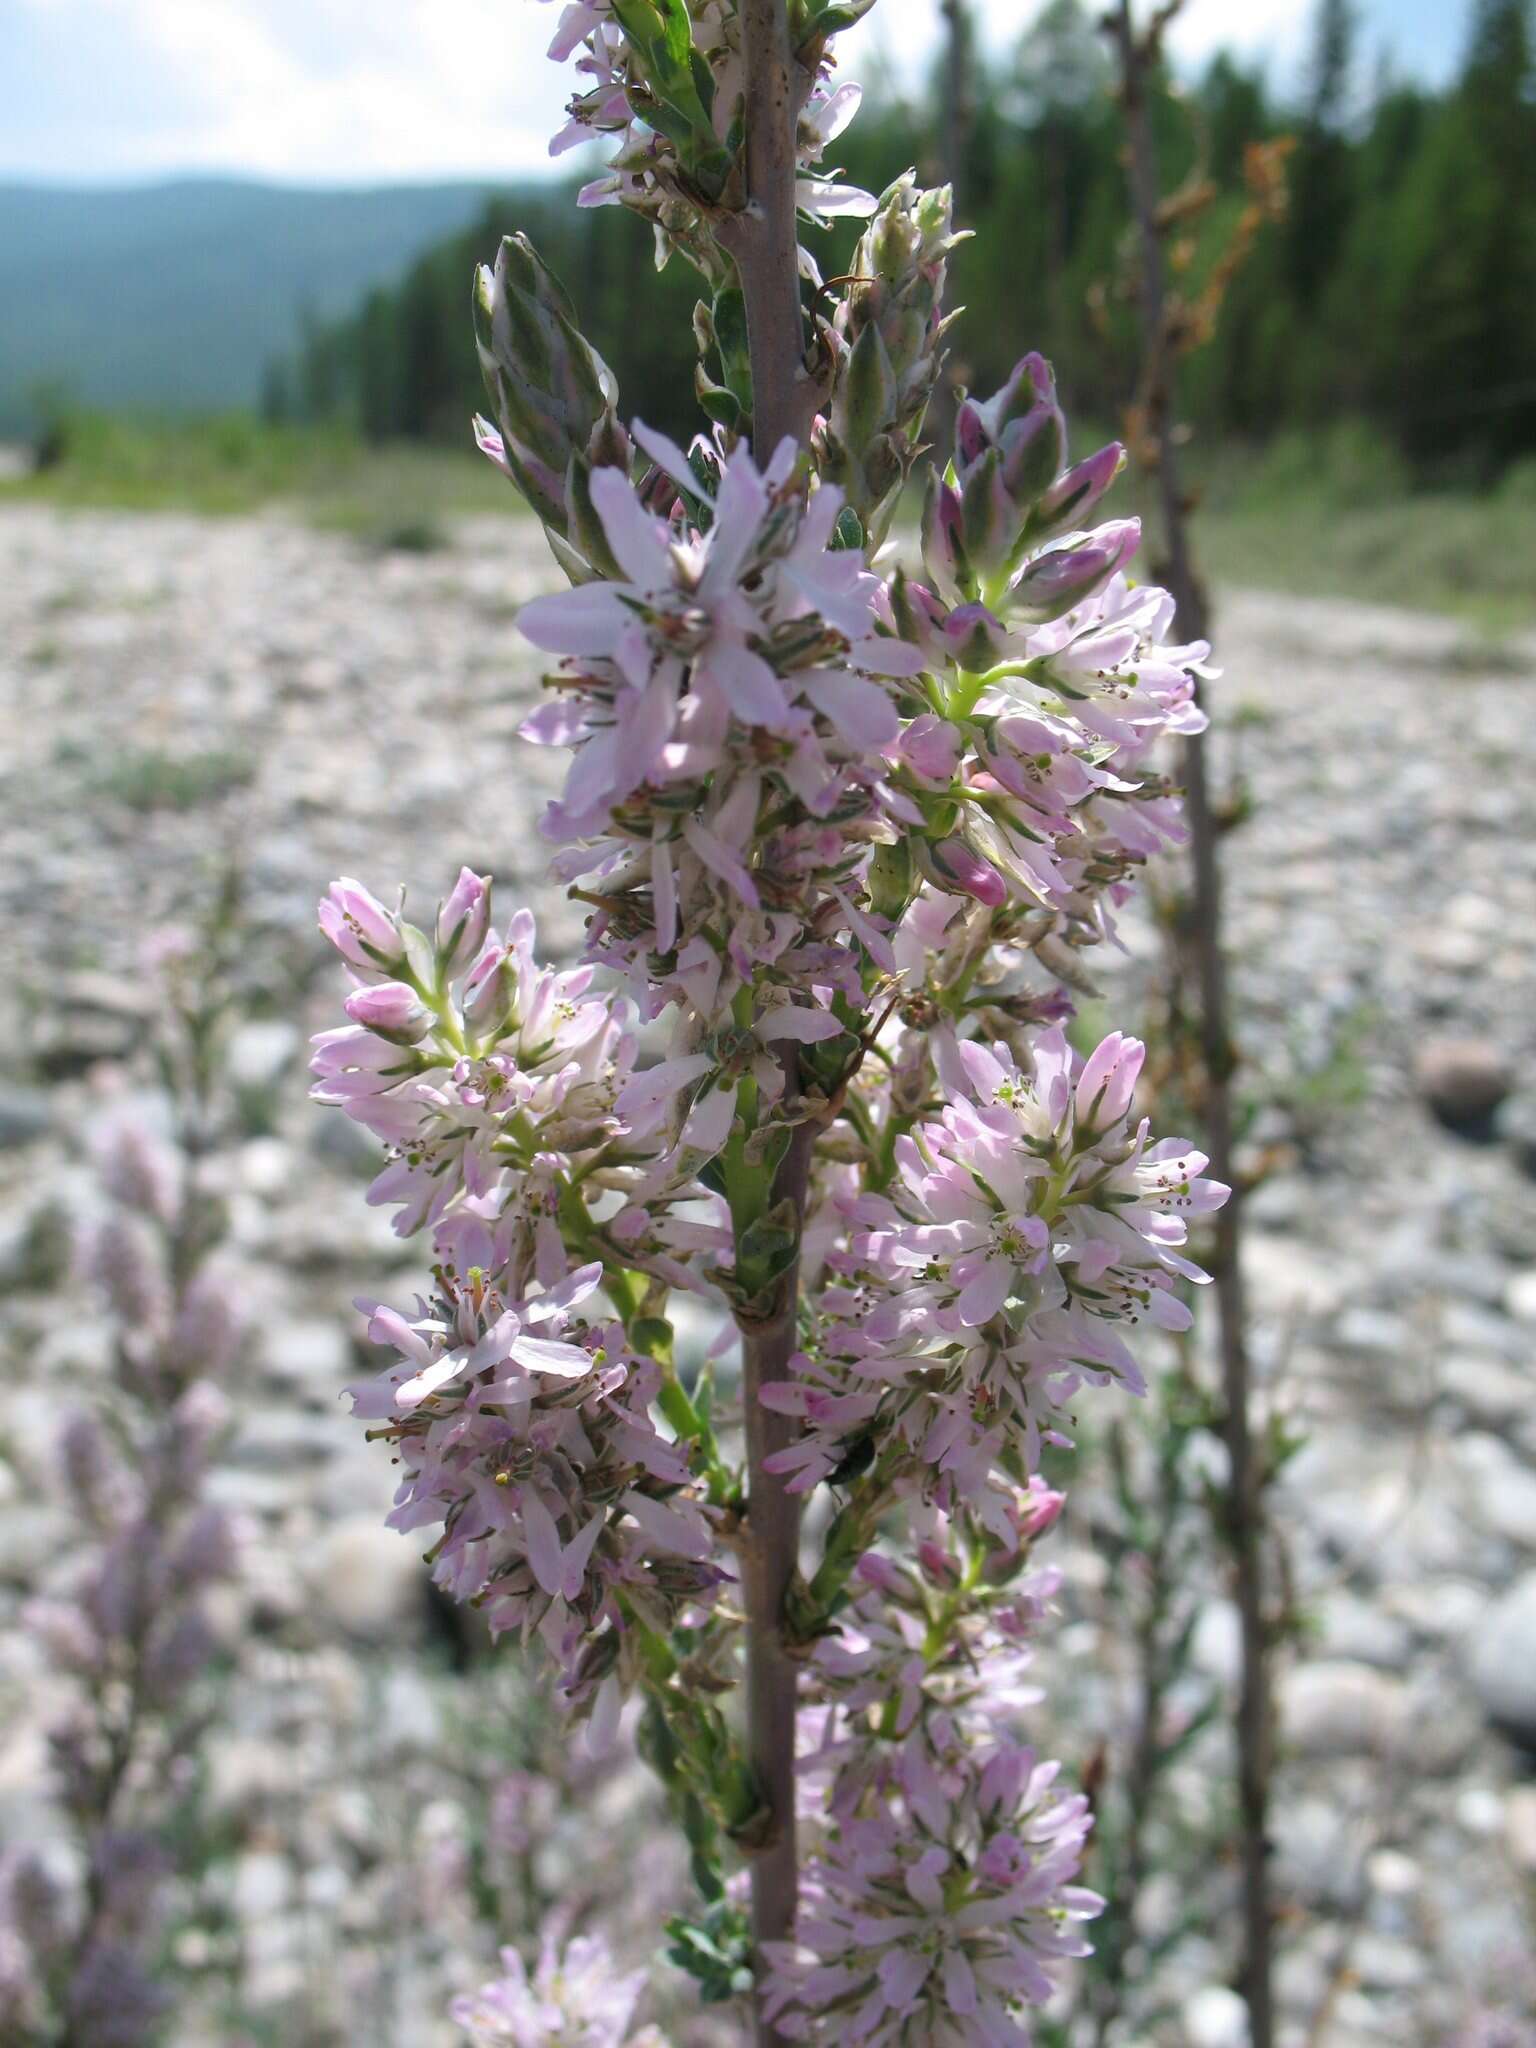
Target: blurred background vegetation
(1362, 406)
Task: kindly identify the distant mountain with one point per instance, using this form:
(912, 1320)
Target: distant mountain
(175, 296)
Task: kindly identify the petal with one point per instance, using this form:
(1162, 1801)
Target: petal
(578, 1554)
(720, 859)
(838, 110)
(822, 199)
(588, 620)
(984, 1294)
(637, 539)
(643, 1091)
(883, 657)
(751, 688)
(798, 1022)
(709, 1121)
(668, 457)
(739, 510)
(859, 709)
(549, 1355)
(543, 1541)
(665, 1526)
(429, 1379)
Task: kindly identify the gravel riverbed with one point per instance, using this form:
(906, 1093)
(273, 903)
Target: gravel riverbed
(175, 690)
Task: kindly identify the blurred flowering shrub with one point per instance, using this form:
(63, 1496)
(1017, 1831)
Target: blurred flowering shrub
(126, 1623)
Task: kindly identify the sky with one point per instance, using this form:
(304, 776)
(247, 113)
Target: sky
(324, 91)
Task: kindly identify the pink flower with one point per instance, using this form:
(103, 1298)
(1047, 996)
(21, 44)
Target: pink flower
(941, 1914)
(525, 1430)
(575, 1997)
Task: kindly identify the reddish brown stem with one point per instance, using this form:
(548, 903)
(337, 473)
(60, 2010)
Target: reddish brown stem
(768, 1565)
(1244, 1508)
(763, 237)
(764, 241)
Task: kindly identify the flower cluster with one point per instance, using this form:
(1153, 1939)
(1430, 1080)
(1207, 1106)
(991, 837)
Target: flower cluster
(522, 1424)
(1031, 1225)
(554, 398)
(843, 836)
(84, 1975)
(940, 1889)
(563, 1508)
(1052, 679)
(938, 1917)
(734, 676)
(887, 339)
(486, 1076)
(127, 1622)
(574, 1999)
(677, 119)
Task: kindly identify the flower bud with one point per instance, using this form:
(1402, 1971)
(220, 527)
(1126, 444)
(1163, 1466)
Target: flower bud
(1028, 386)
(975, 637)
(490, 993)
(989, 519)
(886, 336)
(937, 1565)
(1032, 449)
(198, 1423)
(875, 1569)
(553, 394)
(129, 1272)
(140, 1171)
(1107, 1083)
(462, 923)
(1038, 1509)
(91, 1470)
(206, 1335)
(1074, 494)
(361, 929)
(1053, 583)
(953, 867)
(37, 1905)
(1008, 451)
(392, 1009)
(943, 534)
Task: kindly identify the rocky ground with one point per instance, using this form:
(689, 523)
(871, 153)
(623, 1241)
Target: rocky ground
(172, 690)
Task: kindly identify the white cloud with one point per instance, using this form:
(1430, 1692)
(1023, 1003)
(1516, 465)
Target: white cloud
(1257, 29)
(333, 89)
(370, 89)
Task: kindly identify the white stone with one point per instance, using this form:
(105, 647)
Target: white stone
(1338, 1708)
(1215, 2017)
(1490, 1391)
(370, 1579)
(262, 1884)
(1520, 1827)
(1393, 1874)
(1520, 1296)
(1503, 1661)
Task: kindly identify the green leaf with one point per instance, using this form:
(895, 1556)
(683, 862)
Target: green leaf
(678, 32)
(728, 320)
(849, 530)
(715, 1949)
(719, 405)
